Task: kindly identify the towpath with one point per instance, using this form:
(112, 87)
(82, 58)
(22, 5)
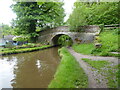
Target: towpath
(95, 79)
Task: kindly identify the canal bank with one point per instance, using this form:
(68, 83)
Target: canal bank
(69, 74)
(23, 50)
(85, 71)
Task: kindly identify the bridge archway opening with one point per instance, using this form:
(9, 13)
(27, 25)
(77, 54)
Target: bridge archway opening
(62, 39)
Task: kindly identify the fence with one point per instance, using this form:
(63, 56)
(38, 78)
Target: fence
(112, 26)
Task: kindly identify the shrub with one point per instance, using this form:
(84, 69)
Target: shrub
(21, 38)
(65, 40)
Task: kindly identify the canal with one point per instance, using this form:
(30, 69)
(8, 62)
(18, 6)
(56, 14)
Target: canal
(29, 70)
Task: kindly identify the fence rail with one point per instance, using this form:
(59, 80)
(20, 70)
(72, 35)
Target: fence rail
(112, 26)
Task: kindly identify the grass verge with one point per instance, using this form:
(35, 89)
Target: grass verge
(96, 64)
(69, 73)
(110, 72)
(109, 41)
(113, 76)
(83, 48)
(23, 50)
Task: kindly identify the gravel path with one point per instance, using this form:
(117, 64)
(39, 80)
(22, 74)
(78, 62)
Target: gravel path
(95, 79)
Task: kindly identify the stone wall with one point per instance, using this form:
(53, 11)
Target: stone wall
(89, 29)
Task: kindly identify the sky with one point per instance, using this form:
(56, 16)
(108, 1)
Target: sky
(6, 14)
(68, 5)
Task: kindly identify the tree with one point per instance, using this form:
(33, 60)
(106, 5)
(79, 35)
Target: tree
(104, 13)
(78, 16)
(6, 29)
(25, 23)
(65, 40)
(94, 13)
(33, 15)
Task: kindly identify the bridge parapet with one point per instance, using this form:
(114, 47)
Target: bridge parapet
(85, 34)
(56, 29)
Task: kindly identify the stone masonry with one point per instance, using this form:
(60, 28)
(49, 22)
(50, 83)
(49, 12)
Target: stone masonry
(51, 36)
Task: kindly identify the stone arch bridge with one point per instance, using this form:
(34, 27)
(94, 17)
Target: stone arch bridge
(51, 36)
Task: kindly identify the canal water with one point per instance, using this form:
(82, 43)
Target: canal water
(28, 70)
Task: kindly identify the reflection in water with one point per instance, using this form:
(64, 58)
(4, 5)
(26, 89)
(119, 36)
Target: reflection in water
(38, 64)
(7, 66)
(29, 70)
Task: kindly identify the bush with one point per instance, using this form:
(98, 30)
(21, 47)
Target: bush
(22, 50)
(96, 50)
(29, 45)
(21, 38)
(65, 40)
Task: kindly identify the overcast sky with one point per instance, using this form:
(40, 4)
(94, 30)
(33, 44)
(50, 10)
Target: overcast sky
(6, 14)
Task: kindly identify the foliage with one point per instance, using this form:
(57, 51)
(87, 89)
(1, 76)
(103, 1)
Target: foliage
(65, 40)
(78, 16)
(25, 22)
(22, 50)
(27, 45)
(53, 14)
(105, 13)
(6, 29)
(21, 38)
(117, 31)
(32, 45)
(32, 16)
(108, 45)
(69, 73)
(94, 14)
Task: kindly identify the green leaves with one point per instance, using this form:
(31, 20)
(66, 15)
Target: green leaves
(65, 40)
(32, 15)
(6, 29)
(40, 3)
(21, 38)
(94, 14)
(78, 17)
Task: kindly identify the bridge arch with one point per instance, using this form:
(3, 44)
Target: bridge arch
(55, 38)
(51, 36)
